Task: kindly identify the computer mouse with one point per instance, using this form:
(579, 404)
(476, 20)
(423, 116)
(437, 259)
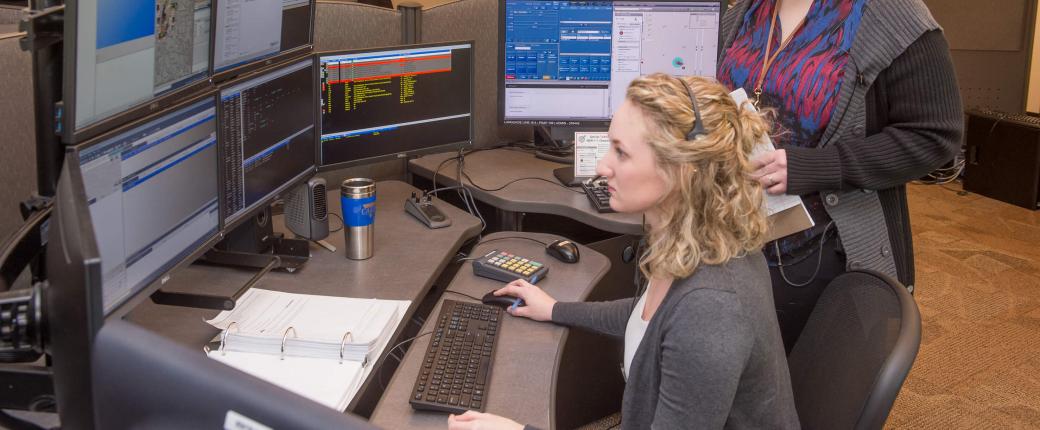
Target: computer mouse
(563, 250)
(501, 301)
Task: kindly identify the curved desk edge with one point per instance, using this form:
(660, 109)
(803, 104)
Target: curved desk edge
(492, 168)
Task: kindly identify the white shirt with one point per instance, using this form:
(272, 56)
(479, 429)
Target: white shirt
(634, 332)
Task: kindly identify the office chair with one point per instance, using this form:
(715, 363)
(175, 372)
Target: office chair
(855, 352)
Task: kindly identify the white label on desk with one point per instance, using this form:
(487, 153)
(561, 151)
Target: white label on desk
(236, 421)
(589, 148)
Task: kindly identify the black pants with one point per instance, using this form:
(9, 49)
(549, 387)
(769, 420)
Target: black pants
(794, 304)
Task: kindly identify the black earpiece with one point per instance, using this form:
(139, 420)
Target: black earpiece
(698, 125)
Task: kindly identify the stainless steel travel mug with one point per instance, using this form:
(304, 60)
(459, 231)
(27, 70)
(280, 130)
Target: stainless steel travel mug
(358, 201)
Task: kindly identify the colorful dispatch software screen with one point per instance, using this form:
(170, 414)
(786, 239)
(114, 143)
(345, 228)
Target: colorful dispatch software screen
(379, 103)
(570, 62)
(152, 191)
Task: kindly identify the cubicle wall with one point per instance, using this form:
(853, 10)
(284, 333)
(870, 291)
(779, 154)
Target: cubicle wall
(475, 20)
(17, 147)
(9, 15)
(348, 25)
(991, 44)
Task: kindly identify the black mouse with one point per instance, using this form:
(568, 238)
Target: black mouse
(501, 301)
(563, 250)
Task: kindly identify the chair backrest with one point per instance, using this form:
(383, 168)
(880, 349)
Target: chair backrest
(855, 352)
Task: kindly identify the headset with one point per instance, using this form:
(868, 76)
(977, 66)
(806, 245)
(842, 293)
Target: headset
(698, 125)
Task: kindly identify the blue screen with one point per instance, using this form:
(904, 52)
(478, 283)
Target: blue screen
(559, 40)
(121, 21)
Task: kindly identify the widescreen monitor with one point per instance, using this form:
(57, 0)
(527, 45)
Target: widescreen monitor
(248, 34)
(125, 59)
(568, 63)
(267, 136)
(389, 102)
(152, 193)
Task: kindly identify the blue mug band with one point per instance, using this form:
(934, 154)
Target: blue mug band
(358, 212)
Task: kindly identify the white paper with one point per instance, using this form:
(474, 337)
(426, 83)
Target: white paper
(773, 203)
(589, 148)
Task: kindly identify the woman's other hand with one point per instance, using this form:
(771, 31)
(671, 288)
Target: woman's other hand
(771, 171)
(537, 304)
(479, 421)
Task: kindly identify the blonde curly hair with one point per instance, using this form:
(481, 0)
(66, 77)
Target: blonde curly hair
(712, 211)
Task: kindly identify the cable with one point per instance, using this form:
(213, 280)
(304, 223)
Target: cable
(819, 259)
(468, 258)
(341, 223)
(518, 180)
(512, 237)
(463, 294)
(390, 354)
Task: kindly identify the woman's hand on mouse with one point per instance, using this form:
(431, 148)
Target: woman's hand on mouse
(479, 421)
(537, 304)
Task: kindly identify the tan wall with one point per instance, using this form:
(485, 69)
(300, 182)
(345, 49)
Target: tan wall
(1033, 100)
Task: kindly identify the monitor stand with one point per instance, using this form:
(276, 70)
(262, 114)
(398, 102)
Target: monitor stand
(253, 244)
(557, 145)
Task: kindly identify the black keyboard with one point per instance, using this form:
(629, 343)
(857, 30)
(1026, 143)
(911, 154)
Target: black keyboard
(457, 365)
(598, 196)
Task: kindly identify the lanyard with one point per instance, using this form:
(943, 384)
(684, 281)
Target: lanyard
(767, 60)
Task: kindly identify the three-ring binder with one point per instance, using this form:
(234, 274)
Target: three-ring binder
(348, 338)
(284, 335)
(223, 337)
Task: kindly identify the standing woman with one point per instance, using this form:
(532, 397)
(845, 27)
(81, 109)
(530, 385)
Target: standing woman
(865, 100)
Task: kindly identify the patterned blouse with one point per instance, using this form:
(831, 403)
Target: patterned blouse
(801, 84)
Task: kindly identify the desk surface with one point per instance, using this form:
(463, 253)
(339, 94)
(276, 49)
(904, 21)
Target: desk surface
(407, 259)
(491, 169)
(524, 369)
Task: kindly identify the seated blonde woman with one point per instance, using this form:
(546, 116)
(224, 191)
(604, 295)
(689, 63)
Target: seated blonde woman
(702, 345)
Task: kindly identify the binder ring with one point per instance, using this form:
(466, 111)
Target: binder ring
(347, 337)
(223, 336)
(284, 335)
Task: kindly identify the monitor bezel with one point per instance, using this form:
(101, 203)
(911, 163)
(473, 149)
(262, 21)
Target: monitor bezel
(546, 122)
(395, 155)
(234, 72)
(162, 277)
(227, 221)
(67, 114)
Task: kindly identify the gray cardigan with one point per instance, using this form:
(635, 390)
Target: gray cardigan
(898, 117)
(711, 356)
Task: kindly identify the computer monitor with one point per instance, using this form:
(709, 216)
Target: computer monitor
(267, 136)
(72, 296)
(152, 195)
(248, 34)
(390, 102)
(143, 380)
(125, 59)
(568, 63)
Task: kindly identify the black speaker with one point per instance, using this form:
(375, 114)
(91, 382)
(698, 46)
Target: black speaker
(1003, 157)
(306, 210)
